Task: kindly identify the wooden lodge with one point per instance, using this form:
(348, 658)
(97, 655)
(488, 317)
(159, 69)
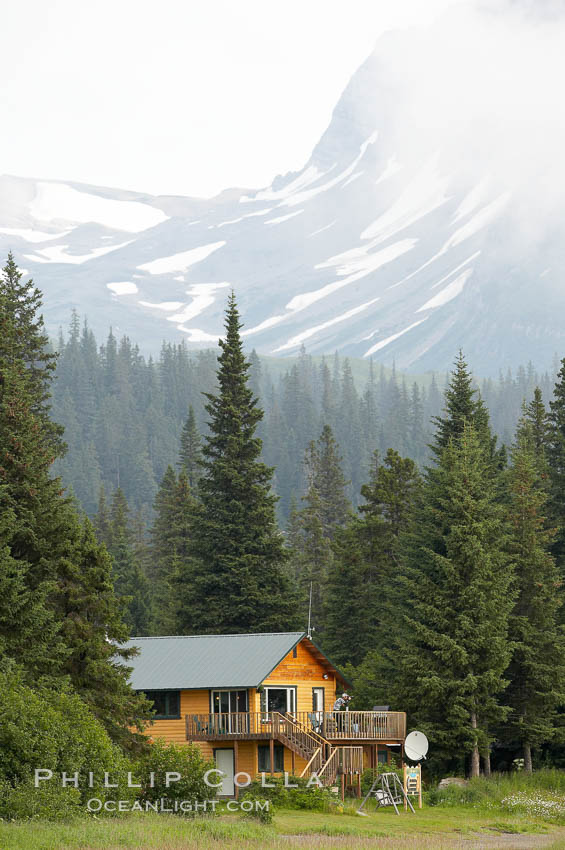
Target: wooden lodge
(261, 703)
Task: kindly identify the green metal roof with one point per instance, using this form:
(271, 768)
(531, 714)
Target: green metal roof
(207, 661)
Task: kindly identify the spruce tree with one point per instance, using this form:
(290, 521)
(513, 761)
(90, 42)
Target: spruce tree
(66, 571)
(28, 630)
(365, 560)
(536, 417)
(176, 563)
(26, 343)
(190, 457)
(130, 582)
(314, 558)
(163, 529)
(556, 461)
(238, 583)
(171, 551)
(325, 477)
(537, 669)
(446, 664)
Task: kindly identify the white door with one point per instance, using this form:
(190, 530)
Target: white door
(224, 762)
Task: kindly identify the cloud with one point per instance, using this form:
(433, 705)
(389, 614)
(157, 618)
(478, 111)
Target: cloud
(482, 86)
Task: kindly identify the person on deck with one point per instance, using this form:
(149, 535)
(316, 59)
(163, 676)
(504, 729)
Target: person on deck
(341, 702)
(339, 707)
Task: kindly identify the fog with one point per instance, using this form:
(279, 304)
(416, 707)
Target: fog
(483, 87)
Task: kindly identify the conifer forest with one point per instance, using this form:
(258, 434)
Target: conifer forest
(218, 492)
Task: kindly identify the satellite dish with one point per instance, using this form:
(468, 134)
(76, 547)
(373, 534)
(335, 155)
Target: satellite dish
(416, 746)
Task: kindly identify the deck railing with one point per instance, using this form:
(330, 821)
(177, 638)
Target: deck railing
(319, 725)
(349, 725)
(348, 760)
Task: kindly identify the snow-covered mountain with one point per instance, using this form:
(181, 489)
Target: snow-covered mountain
(400, 238)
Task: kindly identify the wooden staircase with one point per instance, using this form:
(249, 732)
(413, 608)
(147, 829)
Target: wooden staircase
(322, 758)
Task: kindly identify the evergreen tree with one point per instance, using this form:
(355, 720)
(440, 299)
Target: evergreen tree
(28, 630)
(237, 583)
(93, 629)
(25, 342)
(454, 596)
(176, 561)
(556, 461)
(68, 574)
(537, 669)
(536, 417)
(130, 583)
(102, 519)
(314, 557)
(463, 406)
(366, 558)
(325, 477)
(190, 458)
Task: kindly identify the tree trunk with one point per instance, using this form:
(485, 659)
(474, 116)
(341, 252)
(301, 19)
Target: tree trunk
(475, 757)
(486, 763)
(527, 758)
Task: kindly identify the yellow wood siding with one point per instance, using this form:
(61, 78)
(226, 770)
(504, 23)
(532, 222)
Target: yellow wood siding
(191, 702)
(305, 672)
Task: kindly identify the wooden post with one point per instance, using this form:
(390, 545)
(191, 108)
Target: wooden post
(404, 782)
(342, 775)
(359, 785)
(236, 765)
(292, 762)
(272, 754)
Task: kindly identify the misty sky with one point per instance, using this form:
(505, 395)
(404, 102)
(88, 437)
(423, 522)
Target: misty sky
(179, 97)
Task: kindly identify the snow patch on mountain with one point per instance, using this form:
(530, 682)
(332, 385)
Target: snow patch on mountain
(425, 193)
(305, 178)
(379, 345)
(242, 218)
(122, 287)
(477, 222)
(302, 337)
(472, 200)
(321, 229)
(181, 261)
(58, 201)
(164, 305)
(279, 219)
(202, 297)
(29, 235)
(58, 254)
(360, 260)
(451, 291)
(307, 194)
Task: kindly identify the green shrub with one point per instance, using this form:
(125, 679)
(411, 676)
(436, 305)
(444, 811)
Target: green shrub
(48, 802)
(263, 815)
(162, 758)
(540, 794)
(310, 798)
(53, 730)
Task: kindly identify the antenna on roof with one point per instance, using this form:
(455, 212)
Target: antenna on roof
(309, 630)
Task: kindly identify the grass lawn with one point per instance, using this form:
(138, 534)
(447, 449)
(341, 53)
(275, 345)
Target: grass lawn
(433, 827)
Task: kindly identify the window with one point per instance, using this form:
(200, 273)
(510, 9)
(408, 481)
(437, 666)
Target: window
(382, 757)
(228, 702)
(166, 704)
(282, 700)
(264, 759)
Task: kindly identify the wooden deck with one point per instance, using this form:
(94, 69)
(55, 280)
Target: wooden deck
(384, 726)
